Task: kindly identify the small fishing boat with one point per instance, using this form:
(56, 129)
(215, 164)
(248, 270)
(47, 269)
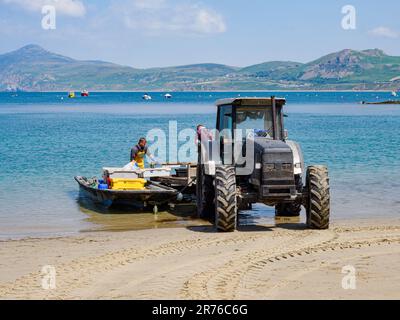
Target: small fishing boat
(85, 93)
(154, 193)
(167, 96)
(382, 102)
(146, 97)
(71, 94)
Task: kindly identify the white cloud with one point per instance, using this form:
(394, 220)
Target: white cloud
(384, 32)
(74, 8)
(161, 16)
(149, 4)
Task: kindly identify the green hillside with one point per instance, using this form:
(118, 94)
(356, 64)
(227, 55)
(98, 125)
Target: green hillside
(32, 68)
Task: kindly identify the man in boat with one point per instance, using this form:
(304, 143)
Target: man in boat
(139, 152)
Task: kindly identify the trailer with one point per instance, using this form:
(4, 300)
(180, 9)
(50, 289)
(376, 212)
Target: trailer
(168, 184)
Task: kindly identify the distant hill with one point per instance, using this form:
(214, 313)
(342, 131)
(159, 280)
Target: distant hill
(272, 68)
(349, 67)
(33, 68)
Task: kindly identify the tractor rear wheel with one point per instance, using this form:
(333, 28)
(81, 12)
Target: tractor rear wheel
(318, 199)
(225, 199)
(205, 194)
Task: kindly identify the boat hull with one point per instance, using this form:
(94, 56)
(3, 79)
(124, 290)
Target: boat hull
(153, 194)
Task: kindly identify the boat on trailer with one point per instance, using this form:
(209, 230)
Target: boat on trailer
(160, 186)
(153, 194)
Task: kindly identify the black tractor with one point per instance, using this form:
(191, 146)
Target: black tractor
(250, 160)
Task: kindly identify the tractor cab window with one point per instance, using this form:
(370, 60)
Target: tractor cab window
(225, 124)
(258, 119)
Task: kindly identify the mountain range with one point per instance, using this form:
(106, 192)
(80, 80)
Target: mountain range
(33, 68)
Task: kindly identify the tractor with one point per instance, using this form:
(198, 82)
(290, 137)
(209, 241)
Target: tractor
(250, 160)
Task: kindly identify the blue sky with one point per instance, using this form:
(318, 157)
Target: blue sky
(153, 33)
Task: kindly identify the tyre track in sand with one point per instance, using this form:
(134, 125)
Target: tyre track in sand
(251, 276)
(168, 283)
(80, 272)
(204, 265)
(332, 260)
(223, 282)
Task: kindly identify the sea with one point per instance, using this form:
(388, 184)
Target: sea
(47, 139)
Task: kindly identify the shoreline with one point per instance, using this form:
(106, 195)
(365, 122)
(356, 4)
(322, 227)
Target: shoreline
(196, 223)
(206, 91)
(257, 262)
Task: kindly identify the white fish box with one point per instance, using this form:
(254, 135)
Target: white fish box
(156, 172)
(119, 173)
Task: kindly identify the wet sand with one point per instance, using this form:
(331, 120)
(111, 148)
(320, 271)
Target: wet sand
(261, 261)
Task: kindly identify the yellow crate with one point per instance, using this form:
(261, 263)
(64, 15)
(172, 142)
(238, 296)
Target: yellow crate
(128, 184)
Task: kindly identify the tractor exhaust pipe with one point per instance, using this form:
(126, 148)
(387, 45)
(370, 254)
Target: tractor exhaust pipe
(274, 117)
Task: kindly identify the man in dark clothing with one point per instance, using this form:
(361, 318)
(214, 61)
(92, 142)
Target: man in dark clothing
(139, 152)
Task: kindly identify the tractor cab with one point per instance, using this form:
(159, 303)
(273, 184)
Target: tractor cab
(263, 116)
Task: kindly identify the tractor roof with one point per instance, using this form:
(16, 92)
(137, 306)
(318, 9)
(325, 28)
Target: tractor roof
(251, 101)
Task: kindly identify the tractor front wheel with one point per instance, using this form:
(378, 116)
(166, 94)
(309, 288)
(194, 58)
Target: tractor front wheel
(225, 199)
(318, 197)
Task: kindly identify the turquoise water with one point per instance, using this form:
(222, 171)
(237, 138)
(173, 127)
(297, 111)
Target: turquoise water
(46, 141)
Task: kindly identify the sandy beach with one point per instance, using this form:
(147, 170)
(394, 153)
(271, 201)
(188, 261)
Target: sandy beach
(256, 262)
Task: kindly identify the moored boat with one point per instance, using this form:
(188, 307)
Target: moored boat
(382, 102)
(146, 97)
(85, 93)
